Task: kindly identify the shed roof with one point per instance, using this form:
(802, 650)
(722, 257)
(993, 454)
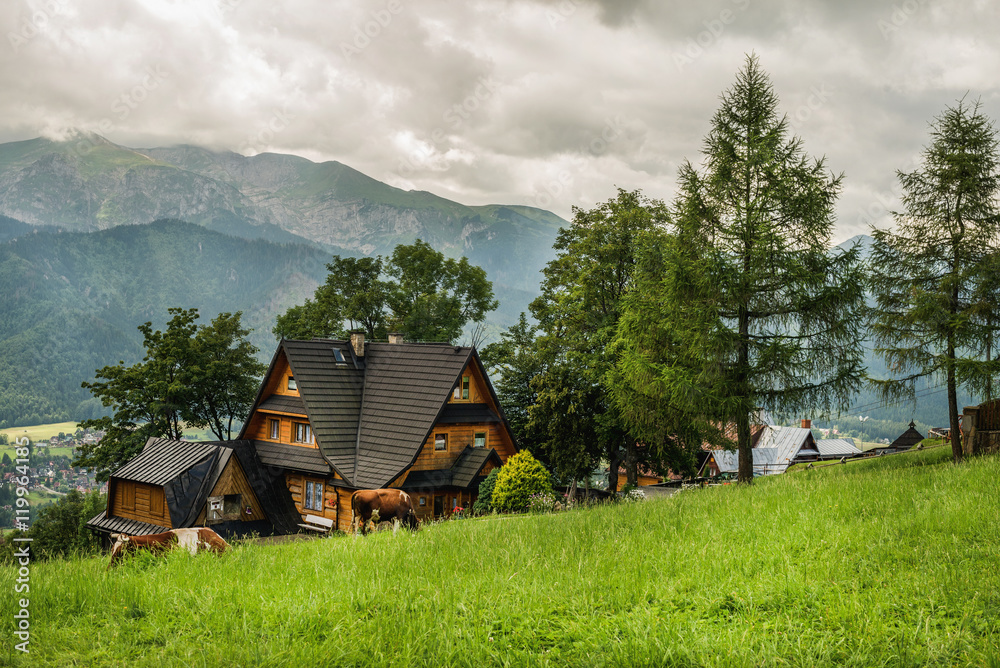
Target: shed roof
(837, 447)
(462, 474)
(122, 525)
(284, 403)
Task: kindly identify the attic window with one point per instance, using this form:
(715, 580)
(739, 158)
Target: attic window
(462, 390)
(291, 383)
(338, 355)
(303, 433)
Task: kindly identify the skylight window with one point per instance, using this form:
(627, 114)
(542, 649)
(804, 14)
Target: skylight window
(338, 355)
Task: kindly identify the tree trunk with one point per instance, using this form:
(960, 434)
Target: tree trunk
(956, 440)
(632, 464)
(745, 474)
(614, 460)
(571, 497)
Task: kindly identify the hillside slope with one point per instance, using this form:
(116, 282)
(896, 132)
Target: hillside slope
(72, 301)
(885, 563)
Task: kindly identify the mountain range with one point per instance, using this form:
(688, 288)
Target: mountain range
(96, 238)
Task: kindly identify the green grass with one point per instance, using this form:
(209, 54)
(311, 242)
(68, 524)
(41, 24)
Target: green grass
(892, 562)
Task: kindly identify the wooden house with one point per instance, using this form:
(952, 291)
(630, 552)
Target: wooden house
(177, 484)
(338, 416)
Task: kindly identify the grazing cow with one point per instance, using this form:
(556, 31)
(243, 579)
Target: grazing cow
(385, 504)
(192, 540)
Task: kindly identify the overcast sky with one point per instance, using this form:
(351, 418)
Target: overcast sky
(551, 103)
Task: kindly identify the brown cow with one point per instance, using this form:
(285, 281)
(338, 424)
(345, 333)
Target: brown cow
(385, 504)
(193, 539)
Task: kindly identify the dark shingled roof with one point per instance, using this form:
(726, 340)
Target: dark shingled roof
(284, 404)
(370, 416)
(406, 387)
(468, 413)
(331, 392)
(121, 525)
(463, 474)
(907, 439)
(295, 457)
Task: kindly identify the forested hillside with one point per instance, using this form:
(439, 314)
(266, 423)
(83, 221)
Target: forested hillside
(71, 302)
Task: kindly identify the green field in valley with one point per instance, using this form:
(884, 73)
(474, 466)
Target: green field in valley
(888, 562)
(42, 432)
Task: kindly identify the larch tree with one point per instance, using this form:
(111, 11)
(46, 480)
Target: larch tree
(762, 314)
(932, 274)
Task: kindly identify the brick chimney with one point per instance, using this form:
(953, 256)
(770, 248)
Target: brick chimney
(395, 337)
(807, 424)
(358, 343)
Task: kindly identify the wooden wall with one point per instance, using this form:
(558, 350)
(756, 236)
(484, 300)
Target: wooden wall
(332, 500)
(459, 436)
(478, 394)
(234, 481)
(139, 501)
(259, 428)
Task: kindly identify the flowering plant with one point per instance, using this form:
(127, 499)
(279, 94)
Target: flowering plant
(541, 502)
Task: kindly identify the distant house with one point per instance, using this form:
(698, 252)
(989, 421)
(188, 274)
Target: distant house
(907, 439)
(331, 417)
(776, 448)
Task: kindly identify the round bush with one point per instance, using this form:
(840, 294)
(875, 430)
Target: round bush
(519, 478)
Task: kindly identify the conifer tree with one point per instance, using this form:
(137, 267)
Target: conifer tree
(933, 274)
(761, 314)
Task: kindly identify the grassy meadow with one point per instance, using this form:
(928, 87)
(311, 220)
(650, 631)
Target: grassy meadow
(892, 562)
(41, 432)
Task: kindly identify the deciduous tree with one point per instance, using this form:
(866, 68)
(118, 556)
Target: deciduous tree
(199, 376)
(417, 291)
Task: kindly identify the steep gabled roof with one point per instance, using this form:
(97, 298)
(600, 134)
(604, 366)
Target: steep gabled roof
(371, 415)
(406, 387)
(331, 392)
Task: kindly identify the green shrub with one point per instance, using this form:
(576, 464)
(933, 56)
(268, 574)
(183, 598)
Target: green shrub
(61, 528)
(484, 502)
(520, 477)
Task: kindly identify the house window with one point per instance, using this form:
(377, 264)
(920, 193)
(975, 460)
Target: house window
(303, 433)
(479, 440)
(440, 441)
(461, 392)
(338, 355)
(423, 501)
(232, 506)
(275, 426)
(291, 383)
(313, 499)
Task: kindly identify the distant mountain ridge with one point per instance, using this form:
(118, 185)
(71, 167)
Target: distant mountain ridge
(89, 183)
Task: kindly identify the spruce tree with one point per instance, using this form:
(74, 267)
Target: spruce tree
(761, 314)
(933, 274)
